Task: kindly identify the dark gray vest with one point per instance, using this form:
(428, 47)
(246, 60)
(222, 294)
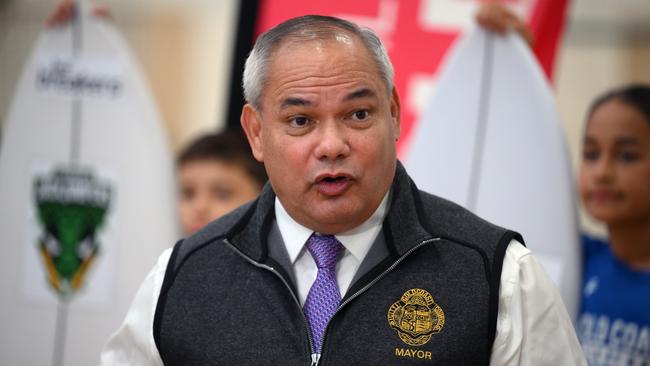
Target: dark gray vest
(427, 293)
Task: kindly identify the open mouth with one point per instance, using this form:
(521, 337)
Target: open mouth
(333, 185)
(333, 179)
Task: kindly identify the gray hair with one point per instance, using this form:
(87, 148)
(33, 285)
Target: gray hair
(307, 28)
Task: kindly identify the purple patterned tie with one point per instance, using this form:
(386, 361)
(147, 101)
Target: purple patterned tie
(324, 295)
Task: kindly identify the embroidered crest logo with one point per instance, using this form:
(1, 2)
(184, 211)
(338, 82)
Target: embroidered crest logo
(416, 317)
(71, 206)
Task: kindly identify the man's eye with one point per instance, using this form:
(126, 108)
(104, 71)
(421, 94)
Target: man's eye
(299, 121)
(361, 115)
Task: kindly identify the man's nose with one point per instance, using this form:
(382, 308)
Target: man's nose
(333, 141)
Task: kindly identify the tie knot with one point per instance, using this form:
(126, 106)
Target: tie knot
(324, 249)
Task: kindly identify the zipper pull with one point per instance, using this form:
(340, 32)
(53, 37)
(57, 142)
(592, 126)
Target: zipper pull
(315, 357)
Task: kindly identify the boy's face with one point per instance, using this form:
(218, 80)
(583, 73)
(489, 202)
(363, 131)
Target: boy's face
(615, 169)
(208, 189)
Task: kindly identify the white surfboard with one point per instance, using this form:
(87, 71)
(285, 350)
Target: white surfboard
(490, 140)
(86, 195)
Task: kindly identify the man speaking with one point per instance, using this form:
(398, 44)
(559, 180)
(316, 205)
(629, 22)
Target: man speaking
(341, 260)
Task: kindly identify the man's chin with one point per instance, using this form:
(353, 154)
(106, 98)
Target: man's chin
(337, 221)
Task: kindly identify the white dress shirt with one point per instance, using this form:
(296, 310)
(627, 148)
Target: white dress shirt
(357, 243)
(533, 326)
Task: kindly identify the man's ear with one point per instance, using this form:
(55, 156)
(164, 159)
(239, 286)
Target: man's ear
(251, 123)
(395, 112)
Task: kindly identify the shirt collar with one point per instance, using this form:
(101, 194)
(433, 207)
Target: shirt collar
(357, 240)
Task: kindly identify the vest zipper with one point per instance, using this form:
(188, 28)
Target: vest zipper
(366, 287)
(315, 357)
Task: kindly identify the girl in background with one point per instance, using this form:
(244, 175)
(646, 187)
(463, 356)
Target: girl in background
(614, 321)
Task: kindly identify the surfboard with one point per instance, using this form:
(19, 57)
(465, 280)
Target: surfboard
(490, 139)
(87, 195)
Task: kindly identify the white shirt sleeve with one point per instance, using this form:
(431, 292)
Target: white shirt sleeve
(533, 326)
(133, 343)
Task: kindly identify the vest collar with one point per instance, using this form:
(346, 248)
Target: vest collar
(402, 226)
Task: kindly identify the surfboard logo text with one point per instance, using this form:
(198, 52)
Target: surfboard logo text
(416, 317)
(80, 77)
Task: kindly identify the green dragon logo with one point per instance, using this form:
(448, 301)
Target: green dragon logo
(71, 204)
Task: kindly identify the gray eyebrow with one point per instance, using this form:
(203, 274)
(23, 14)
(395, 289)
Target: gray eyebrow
(301, 102)
(294, 102)
(361, 93)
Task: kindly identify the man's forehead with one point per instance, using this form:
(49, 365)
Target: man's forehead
(320, 42)
(326, 33)
(325, 62)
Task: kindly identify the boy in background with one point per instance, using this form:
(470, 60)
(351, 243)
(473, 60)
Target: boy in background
(216, 173)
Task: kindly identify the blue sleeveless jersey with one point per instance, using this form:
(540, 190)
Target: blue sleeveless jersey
(614, 321)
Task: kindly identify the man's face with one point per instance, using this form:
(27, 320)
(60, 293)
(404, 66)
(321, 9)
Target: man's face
(326, 132)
